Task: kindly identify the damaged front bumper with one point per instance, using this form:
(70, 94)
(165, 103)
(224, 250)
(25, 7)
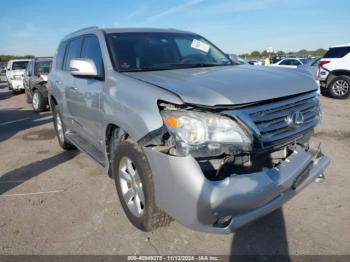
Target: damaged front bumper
(17, 85)
(182, 190)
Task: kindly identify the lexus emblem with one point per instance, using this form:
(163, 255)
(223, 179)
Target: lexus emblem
(295, 119)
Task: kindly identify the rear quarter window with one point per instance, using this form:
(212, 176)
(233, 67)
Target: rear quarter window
(337, 52)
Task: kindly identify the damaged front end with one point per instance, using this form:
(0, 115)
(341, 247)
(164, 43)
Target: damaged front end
(233, 164)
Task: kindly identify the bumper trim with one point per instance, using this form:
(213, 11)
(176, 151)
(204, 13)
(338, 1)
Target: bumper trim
(182, 191)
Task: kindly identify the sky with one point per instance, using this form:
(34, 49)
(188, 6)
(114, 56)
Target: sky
(236, 26)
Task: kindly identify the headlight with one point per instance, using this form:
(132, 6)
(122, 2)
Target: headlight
(205, 134)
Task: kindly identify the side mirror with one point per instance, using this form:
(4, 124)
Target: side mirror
(83, 67)
(234, 58)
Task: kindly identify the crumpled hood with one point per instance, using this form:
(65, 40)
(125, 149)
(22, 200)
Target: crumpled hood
(229, 85)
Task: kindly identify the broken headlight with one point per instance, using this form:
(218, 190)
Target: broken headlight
(205, 134)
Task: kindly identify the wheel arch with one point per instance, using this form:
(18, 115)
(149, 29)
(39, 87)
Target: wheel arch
(337, 73)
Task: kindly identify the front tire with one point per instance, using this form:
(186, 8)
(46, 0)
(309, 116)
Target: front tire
(60, 131)
(39, 102)
(134, 183)
(339, 87)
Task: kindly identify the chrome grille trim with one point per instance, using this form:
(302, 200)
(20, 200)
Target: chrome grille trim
(268, 121)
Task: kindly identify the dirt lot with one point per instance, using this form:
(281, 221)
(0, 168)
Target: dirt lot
(53, 202)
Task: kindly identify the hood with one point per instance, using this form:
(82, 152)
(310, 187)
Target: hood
(18, 72)
(229, 85)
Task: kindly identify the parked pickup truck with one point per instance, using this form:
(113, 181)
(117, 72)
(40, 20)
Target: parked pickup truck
(186, 133)
(35, 82)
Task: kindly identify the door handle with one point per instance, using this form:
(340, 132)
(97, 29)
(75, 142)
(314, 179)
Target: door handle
(74, 88)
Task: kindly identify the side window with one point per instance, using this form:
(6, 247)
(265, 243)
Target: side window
(295, 62)
(28, 69)
(91, 49)
(73, 51)
(285, 62)
(337, 52)
(60, 55)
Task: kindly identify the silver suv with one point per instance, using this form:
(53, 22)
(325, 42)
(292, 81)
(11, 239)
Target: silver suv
(185, 133)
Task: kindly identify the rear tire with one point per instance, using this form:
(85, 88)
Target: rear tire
(339, 87)
(60, 131)
(39, 102)
(134, 183)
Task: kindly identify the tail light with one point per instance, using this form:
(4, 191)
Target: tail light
(324, 62)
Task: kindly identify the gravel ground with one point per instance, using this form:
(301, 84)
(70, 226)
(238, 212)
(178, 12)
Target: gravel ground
(54, 202)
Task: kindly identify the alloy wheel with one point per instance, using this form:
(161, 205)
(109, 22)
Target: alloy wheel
(131, 187)
(35, 101)
(340, 87)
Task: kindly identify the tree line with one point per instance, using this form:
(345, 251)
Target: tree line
(5, 58)
(303, 52)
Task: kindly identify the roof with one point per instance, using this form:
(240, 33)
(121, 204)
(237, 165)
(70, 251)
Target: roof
(144, 30)
(43, 58)
(125, 30)
(19, 60)
(335, 46)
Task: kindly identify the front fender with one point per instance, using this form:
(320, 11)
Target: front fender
(132, 104)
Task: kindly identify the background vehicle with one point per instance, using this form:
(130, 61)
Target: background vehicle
(256, 62)
(14, 73)
(185, 133)
(334, 73)
(291, 62)
(311, 66)
(35, 82)
(3, 77)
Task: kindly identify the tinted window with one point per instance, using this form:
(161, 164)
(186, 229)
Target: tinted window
(91, 49)
(60, 55)
(337, 52)
(295, 62)
(20, 65)
(42, 67)
(286, 62)
(73, 51)
(163, 51)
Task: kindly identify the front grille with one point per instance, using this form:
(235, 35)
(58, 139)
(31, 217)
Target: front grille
(269, 121)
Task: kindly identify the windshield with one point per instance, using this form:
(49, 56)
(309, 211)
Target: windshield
(42, 67)
(162, 51)
(19, 65)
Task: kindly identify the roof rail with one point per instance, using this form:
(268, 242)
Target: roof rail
(85, 28)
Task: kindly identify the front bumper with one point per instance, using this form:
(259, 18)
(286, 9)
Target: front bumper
(17, 85)
(182, 191)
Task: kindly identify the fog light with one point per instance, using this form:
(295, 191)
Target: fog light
(223, 221)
